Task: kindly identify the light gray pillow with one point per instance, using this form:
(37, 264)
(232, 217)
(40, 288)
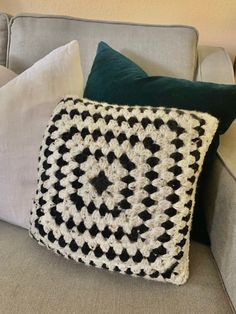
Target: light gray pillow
(26, 104)
(6, 75)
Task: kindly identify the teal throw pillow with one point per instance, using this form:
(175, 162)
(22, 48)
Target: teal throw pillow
(116, 79)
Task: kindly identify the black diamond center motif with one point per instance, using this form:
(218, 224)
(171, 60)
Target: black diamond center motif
(100, 182)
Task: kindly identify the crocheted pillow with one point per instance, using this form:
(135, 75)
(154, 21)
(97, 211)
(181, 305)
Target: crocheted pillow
(116, 186)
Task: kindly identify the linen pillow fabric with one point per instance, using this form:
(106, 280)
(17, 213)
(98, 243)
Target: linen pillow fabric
(116, 186)
(116, 79)
(26, 104)
(6, 75)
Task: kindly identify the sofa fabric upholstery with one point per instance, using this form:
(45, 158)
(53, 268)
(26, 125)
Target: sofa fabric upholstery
(3, 38)
(221, 205)
(227, 149)
(6, 75)
(162, 50)
(33, 280)
(214, 65)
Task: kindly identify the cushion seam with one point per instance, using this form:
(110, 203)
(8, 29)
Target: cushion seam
(6, 17)
(25, 15)
(62, 17)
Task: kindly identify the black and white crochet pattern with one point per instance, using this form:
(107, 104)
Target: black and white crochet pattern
(116, 186)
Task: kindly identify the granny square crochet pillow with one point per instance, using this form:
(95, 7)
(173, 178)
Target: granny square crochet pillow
(116, 186)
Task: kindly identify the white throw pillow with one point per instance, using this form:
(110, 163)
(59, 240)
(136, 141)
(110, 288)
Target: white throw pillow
(6, 75)
(26, 104)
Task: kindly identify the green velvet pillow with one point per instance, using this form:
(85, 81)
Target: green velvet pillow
(116, 79)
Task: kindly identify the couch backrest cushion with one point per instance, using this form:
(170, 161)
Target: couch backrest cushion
(162, 50)
(3, 38)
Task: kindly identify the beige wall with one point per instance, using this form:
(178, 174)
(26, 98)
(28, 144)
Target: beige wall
(215, 19)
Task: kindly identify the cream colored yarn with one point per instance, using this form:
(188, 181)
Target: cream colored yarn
(116, 186)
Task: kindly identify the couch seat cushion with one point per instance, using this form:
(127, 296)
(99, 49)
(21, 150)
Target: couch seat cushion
(33, 280)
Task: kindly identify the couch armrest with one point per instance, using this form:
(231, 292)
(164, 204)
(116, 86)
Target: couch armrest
(227, 149)
(220, 202)
(214, 65)
(222, 217)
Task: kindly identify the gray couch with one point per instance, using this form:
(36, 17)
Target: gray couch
(34, 280)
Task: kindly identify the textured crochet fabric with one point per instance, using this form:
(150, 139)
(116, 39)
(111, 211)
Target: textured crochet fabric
(116, 186)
